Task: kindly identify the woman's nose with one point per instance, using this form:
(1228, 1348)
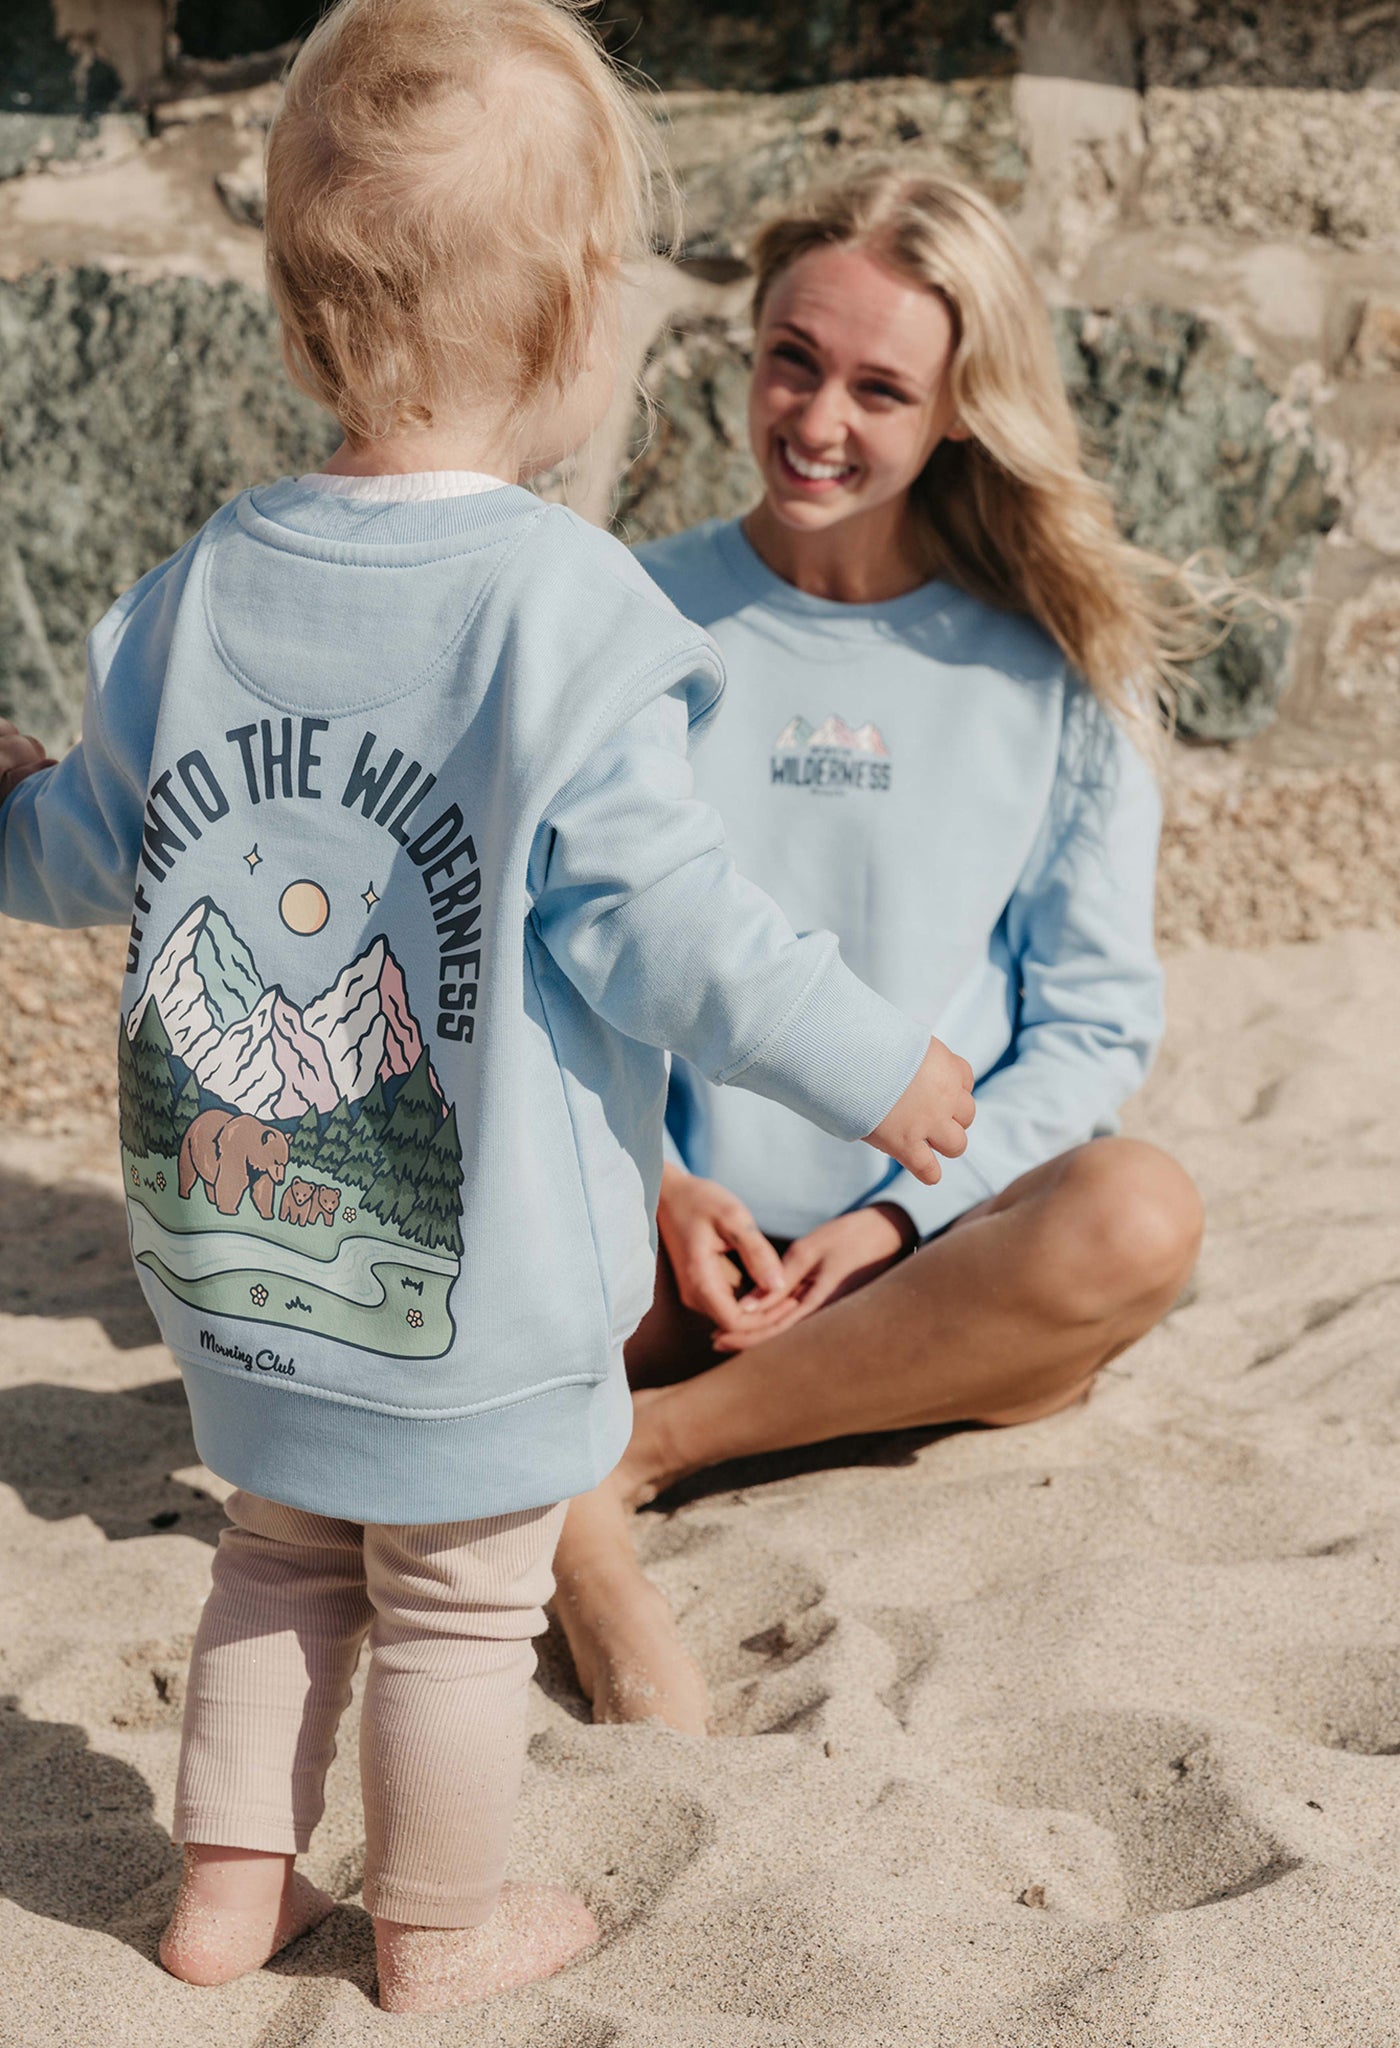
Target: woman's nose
(822, 421)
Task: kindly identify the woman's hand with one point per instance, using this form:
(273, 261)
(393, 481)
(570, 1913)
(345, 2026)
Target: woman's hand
(701, 1224)
(834, 1259)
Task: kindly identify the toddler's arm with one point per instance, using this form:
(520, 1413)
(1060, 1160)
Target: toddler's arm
(638, 900)
(19, 756)
(70, 834)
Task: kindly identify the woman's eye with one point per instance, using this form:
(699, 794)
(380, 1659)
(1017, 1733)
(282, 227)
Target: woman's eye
(785, 353)
(886, 391)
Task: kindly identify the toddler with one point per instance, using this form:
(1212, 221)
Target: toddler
(388, 767)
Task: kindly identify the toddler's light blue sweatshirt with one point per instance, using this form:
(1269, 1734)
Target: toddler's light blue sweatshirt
(400, 794)
(925, 778)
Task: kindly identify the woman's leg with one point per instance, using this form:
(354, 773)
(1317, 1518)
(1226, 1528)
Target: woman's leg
(441, 1751)
(1004, 1319)
(269, 1679)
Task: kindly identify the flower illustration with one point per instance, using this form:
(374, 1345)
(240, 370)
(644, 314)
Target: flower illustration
(136, 1176)
(161, 1182)
(349, 1215)
(258, 1296)
(415, 1319)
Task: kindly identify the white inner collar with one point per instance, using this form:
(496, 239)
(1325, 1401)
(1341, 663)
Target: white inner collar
(402, 490)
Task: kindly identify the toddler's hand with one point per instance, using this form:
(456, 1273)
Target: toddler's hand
(19, 756)
(931, 1115)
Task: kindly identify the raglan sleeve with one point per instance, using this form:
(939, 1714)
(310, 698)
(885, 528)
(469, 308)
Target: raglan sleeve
(70, 835)
(1080, 931)
(637, 899)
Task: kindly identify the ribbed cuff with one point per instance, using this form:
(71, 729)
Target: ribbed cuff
(842, 1058)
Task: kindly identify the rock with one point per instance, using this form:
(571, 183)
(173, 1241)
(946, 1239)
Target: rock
(773, 45)
(1363, 657)
(1375, 348)
(1341, 44)
(1203, 457)
(1199, 451)
(1272, 162)
(131, 410)
(694, 462)
(1375, 520)
(738, 155)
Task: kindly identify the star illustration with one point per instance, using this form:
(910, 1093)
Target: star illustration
(254, 859)
(369, 899)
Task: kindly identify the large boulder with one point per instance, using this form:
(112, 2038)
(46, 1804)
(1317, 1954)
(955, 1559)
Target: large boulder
(737, 155)
(1202, 457)
(129, 411)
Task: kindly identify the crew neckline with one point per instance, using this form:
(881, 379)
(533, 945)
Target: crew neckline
(748, 567)
(414, 487)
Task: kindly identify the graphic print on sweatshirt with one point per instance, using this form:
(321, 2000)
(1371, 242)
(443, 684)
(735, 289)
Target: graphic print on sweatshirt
(288, 1152)
(832, 758)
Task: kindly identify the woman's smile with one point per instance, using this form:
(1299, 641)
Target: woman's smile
(805, 472)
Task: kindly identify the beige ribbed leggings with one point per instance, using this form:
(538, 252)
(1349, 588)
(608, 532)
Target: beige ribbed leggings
(449, 1610)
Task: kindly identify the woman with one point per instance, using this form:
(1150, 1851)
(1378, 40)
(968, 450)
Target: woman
(944, 670)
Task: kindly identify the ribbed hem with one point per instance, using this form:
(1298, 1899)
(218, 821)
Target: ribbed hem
(242, 1830)
(431, 1909)
(842, 1044)
(358, 1464)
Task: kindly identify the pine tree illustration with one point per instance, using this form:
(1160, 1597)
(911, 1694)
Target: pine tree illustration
(187, 1108)
(364, 1155)
(436, 1220)
(130, 1128)
(306, 1140)
(153, 1120)
(405, 1140)
(337, 1143)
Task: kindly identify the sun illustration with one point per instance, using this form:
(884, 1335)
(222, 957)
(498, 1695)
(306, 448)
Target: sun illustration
(304, 907)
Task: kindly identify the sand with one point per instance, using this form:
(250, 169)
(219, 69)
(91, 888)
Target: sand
(1083, 1733)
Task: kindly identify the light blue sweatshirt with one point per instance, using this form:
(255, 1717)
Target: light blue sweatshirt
(924, 778)
(400, 794)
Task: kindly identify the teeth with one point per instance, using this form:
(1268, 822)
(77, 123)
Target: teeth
(815, 472)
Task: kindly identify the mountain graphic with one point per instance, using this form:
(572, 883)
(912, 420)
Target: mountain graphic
(204, 979)
(269, 1064)
(832, 732)
(868, 739)
(794, 734)
(364, 1023)
(252, 1048)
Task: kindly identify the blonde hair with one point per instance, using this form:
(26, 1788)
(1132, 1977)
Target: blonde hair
(452, 186)
(1009, 514)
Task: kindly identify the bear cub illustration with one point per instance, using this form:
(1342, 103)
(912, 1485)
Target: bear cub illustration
(232, 1154)
(304, 1202)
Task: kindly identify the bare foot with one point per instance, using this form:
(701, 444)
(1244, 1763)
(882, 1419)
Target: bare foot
(235, 1909)
(627, 1650)
(534, 1931)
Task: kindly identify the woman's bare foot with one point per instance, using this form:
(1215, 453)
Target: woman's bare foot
(534, 1931)
(627, 1650)
(235, 1909)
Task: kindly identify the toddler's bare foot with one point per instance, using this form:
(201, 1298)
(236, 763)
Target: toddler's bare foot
(534, 1931)
(235, 1909)
(627, 1650)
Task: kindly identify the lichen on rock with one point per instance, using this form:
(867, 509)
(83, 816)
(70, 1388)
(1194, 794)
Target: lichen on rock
(131, 410)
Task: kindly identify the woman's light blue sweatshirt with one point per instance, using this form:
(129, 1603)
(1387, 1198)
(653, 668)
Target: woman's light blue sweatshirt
(925, 779)
(398, 800)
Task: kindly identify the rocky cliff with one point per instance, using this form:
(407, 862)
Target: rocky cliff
(1209, 200)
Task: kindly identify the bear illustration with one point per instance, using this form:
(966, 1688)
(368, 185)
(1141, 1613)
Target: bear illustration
(298, 1203)
(230, 1154)
(327, 1202)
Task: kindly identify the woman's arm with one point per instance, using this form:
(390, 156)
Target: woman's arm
(1079, 927)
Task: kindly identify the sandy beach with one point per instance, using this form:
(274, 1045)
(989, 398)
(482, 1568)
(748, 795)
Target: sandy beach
(1082, 1733)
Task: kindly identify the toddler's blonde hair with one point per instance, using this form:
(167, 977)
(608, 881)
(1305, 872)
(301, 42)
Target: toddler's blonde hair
(452, 186)
(1010, 514)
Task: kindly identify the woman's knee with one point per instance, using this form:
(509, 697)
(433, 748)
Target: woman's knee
(1133, 1221)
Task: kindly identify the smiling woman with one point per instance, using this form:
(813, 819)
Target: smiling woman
(944, 664)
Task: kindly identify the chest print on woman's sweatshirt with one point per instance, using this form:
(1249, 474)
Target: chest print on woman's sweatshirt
(289, 1154)
(831, 758)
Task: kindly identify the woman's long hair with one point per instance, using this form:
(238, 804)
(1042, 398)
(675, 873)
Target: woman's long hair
(1010, 514)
